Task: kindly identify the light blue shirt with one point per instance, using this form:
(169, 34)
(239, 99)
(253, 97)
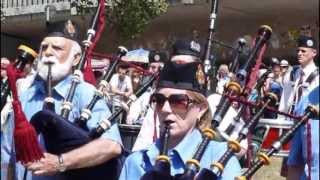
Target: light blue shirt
(298, 151)
(32, 102)
(138, 163)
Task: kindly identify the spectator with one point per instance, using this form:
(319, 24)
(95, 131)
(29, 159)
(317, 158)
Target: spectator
(223, 78)
(121, 87)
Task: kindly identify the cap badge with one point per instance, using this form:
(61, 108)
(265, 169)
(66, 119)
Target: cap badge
(309, 43)
(69, 28)
(157, 57)
(195, 46)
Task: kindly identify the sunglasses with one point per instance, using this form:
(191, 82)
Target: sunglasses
(179, 101)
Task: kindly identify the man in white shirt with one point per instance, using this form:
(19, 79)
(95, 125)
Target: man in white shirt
(121, 87)
(303, 78)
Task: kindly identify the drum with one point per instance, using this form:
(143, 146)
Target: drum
(274, 129)
(129, 135)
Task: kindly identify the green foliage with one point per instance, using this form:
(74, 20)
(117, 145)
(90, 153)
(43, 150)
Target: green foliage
(132, 16)
(129, 17)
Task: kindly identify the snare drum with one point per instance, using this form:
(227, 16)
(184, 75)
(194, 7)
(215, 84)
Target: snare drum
(275, 128)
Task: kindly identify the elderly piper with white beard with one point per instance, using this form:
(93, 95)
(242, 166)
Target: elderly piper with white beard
(61, 48)
(62, 64)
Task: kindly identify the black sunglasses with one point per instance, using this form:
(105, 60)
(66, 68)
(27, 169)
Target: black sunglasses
(180, 101)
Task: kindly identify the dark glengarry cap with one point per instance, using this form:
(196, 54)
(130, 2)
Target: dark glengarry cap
(157, 56)
(67, 29)
(187, 47)
(306, 41)
(179, 76)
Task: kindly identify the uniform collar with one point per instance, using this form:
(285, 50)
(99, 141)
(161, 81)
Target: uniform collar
(308, 69)
(38, 86)
(189, 142)
(184, 150)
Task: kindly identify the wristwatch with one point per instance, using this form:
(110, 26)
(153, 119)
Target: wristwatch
(61, 166)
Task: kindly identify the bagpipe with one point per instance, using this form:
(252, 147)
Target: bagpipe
(209, 71)
(263, 158)
(161, 169)
(238, 51)
(233, 89)
(86, 112)
(234, 145)
(24, 55)
(242, 107)
(59, 133)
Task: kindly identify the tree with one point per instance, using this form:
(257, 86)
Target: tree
(129, 17)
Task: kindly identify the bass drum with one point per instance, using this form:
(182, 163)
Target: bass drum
(275, 128)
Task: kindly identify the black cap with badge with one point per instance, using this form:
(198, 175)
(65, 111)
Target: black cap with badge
(187, 47)
(157, 56)
(67, 29)
(180, 76)
(306, 41)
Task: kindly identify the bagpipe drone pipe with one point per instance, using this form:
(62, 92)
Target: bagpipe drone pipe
(234, 145)
(242, 107)
(161, 169)
(233, 89)
(86, 112)
(209, 79)
(311, 111)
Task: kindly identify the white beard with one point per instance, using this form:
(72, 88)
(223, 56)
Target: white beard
(58, 70)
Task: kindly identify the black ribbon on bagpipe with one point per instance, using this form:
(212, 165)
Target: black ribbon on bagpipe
(263, 158)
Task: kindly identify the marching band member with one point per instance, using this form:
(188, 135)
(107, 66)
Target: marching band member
(178, 101)
(303, 160)
(183, 51)
(61, 46)
(140, 109)
(303, 78)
